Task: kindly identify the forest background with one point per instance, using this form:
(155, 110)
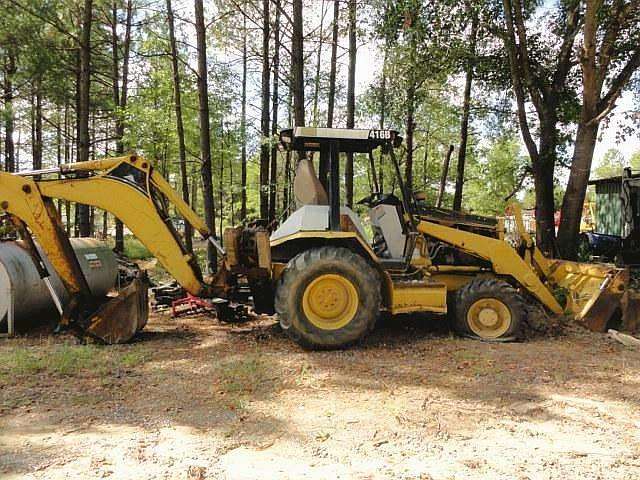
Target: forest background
(495, 99)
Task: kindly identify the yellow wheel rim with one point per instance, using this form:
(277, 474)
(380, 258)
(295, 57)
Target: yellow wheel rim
(489, 318)
(330, 301)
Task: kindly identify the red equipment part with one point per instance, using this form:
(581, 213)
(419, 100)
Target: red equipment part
(190, 305)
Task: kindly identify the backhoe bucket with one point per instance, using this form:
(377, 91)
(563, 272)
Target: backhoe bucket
(120, 318)
(594, 291)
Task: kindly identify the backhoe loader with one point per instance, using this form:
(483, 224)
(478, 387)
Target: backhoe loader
(325, 275)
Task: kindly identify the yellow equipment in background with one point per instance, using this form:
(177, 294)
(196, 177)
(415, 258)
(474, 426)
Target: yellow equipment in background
(327, 281)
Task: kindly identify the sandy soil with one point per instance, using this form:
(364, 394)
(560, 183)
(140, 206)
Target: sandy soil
(193, 400)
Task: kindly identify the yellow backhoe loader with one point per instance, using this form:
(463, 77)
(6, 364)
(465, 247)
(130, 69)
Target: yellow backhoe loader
(324, 274)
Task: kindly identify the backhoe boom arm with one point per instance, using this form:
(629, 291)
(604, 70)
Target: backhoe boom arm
(130, 189)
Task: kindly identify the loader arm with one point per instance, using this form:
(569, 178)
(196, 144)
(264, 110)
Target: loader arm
(127, 187)
(503, 257)
(593, 291)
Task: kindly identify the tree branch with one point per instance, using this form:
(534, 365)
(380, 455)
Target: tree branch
(534, 91)
(516, 79)
(564, 56)
(46, 20)
(608, 102)
(616, 22)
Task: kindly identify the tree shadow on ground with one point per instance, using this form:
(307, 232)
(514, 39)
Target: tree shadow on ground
(218, 378)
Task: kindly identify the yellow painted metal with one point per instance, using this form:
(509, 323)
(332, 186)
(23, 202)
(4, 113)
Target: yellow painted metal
(453, 281)
(185, 210)
(27, 199)
(500, 228)
(407, 297)
(94, 165)
(422, 259)
(106, 165)
(21, 197)
(330, 301)
(489, 318)
(276, 269)
(534, 255)
(454, 269)
(138, 212)
(585, 283)
(504, 259)
(593, 291)
(264, 249)
(326, 235)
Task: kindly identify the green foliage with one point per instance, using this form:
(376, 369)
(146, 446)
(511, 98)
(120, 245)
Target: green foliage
(425, 51)
(613, 162)
(529, 199)
(494, 175)
(134, 249)
(610, 165)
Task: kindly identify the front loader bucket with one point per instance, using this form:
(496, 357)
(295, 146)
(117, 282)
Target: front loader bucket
(594, 291)
(120, 318)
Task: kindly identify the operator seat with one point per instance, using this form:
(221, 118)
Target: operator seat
(307, 189)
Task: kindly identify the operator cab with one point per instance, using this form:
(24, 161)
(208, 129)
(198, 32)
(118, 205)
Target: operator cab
(318, 202)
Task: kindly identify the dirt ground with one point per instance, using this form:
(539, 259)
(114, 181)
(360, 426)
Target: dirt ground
(193, 399)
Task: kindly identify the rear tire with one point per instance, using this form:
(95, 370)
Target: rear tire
(489, 309)
(328, 297)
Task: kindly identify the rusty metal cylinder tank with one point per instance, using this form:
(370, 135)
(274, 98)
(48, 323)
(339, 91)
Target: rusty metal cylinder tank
(21, 285)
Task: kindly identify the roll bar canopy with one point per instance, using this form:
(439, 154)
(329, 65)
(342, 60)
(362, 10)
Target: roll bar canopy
(351, 140)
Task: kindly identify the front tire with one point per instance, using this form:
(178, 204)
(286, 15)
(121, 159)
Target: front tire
(328, 297)
(489, 309)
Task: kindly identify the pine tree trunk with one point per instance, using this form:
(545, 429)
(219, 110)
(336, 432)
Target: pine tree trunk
(297, 64)
(351, 100)
(32, 128)
(37, 143)
(331, 97)
(177, 99)
(443, 177)
(264, 119)
(221, 177)
(323, 167)
(464, 124)
(425, 160)
(67, 157)
(120, 94)
(288, 196)
(123, 105)
(273, 181)
(318, 60)
(194, 192)
(84, 85)
(408, 167)
(205, 134)
(243, 126)
(383, 114)
(59, 151)
(9, 121)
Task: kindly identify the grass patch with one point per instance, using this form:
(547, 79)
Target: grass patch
(69, 360)
(135, 250)
(244, 378)
(20, 362)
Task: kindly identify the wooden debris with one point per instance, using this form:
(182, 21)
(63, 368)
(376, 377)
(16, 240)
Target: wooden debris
(624, 339)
